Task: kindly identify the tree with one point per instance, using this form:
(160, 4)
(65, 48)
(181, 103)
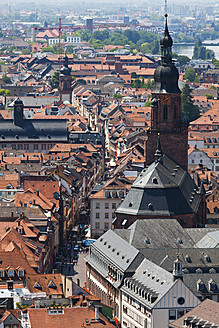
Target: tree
(202, 52)
(81, 81)
(117, 96)
(216, 62)
(55, 80)
(137, 83)
(188, 108)
(5, 92)
(6, 79)
(198, 43)
(48, 49)
(155, 47)
(195, 52)
(190, 75)
(132, 35)
(26, 51)
(149, 84)
(183, 60)
(208, 96)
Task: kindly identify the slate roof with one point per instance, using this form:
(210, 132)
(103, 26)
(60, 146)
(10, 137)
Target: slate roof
(117, 253)
(117, 250)
(192, 258)
(210, 240)
(162, 189)
(198, 233)
(37, 129)
(154, 281)
(159, 233)
(193, 279)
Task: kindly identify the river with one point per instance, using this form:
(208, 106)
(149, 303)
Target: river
(188, 50)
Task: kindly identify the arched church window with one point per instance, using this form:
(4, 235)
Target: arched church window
(165, 112)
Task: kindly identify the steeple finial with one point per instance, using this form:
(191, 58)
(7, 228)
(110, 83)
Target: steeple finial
(165, 8)
(158, 153)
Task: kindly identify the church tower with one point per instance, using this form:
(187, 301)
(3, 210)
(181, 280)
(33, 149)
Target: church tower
(65, 80)
(18, 112)
(166, 116)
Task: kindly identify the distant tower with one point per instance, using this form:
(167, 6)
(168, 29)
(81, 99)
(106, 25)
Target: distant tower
(166, 117)
(33, 34)
(126, 20)
(90, 24)
(18, 112)
(65, 79)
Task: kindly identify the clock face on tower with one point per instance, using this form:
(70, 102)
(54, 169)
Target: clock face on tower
(165, 100)
(19, 109)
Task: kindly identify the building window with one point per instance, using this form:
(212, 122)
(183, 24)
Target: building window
(106, 226)
(172, 314)
(165, 112)
(192, 161)
(106, 215)
(113, 205)
(97, 226)
(97, 215)
(20, 273)
(97, 205)
(43, 146)
(106, 205)
(113, 215)
(35, 147)
(180, 313)
(26, 147)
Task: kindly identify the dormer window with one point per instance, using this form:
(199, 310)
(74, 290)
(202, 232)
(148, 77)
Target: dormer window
(121, 194)
(212, 285)
(114, 194)
(52, 285)
(11, 273)
(37, 285)
(20, 273)
(107, 194)
(200, 285)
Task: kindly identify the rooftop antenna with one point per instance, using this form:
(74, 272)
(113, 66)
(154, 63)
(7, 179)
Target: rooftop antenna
(165, 8)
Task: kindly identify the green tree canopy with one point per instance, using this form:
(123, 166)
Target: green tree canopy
(183, 60)
(6, 79)
(190, 75)
(55, 80)
(188, 108)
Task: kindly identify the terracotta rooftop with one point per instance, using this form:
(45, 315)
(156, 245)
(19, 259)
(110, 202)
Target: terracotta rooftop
(208, 310)
(51, 284)
(68, 318)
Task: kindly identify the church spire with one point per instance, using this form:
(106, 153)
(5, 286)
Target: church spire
(158, 153)
(166, 44)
